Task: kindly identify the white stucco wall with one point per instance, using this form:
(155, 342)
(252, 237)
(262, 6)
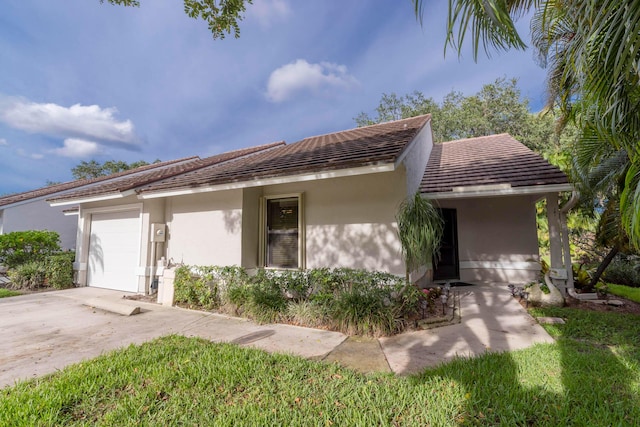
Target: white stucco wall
(350, 222)
(416, 158)
(497, 238)
(205, 229)
(38, 215)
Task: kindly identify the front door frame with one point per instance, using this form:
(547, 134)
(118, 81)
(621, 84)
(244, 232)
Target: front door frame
(449, 243)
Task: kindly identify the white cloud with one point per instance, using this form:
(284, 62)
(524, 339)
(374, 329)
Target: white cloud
(24, 153)
(300, 76)
(269, 11)
(77, 148)
(78, 121)
(3, 141)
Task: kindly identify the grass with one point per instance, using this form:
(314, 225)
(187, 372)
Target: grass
(590, 376)
(627, 292)
(4, 293)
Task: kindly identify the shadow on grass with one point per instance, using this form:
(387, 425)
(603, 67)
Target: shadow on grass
(590, 376)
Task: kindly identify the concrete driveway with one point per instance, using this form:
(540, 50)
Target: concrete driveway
(45, 332)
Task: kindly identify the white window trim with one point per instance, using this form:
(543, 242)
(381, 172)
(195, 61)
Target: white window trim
(262, 243)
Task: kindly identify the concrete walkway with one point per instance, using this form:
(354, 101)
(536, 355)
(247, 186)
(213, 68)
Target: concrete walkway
(43, 333)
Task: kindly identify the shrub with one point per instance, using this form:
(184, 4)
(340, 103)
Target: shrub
(348, 300)
(30, 275)
(59, 270)
(305, 313)
(266, 299)
(294, 283)
(207, 287)
(623, 271)
(21, 247)
(362, 302)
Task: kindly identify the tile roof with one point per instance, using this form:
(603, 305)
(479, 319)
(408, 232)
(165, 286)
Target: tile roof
(365, 146)
(487, 160)
(67, 186)
(125, 183)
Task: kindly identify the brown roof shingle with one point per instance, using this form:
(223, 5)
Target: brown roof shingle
(126, 183)
(487, 160)
(66, 186)
(370, 145)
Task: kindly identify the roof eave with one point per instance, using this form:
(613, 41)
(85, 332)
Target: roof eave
(98, 198)
(378, 168)
(492, 191)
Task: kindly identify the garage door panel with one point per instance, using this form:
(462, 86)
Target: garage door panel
(114, 245)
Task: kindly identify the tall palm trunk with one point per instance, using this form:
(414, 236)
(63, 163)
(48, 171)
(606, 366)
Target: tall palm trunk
(603, 266)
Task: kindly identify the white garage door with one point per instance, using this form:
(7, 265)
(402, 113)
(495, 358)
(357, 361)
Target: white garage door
(114, 250)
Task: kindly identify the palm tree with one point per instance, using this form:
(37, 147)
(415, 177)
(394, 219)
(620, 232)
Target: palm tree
(420, 228)
(599, 173)
(594, 52)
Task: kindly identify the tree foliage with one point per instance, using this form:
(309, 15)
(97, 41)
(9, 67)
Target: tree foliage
(497, 108)
(93, 169)
(222, 16)
(592, 51)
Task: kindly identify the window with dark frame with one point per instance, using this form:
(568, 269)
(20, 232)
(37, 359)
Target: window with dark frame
(282, 229)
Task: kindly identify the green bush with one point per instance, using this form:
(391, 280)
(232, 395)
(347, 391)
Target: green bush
(30, 275)
(348, 300)
(59, 270)
(362, 302)
(21, 247)
(207, 287)
(266, 299)
(623, 271)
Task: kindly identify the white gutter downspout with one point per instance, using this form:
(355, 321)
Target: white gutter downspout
(566, 249)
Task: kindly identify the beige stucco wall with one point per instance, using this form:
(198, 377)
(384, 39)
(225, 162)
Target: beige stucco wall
(38, 215)
(350, 222)
(497, 238)
(205, 229)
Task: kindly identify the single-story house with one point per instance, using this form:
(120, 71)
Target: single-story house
(325, 201)
(29, 210)
(487, 188)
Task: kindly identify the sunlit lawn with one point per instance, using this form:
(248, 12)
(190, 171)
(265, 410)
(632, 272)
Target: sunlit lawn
(627, 292)
(589, 377)
(4, 293)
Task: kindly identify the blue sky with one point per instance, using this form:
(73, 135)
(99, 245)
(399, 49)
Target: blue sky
(82, 80)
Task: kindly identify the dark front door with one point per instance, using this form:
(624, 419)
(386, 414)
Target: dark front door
(448, 264)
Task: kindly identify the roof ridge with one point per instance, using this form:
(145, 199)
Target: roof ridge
(254, 148)
(78, 183)
(478, 137)
(365, 127)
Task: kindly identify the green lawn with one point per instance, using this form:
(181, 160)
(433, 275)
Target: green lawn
(590, 376)
(627, 292)
(8, 293)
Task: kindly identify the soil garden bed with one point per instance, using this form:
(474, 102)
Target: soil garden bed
(628, 307)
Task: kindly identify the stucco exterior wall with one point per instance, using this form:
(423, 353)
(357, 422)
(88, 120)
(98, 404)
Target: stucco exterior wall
(350, 222)
(497, 238)
(205, 229)
(38, 215)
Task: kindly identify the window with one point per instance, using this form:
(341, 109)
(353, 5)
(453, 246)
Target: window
(282, 232)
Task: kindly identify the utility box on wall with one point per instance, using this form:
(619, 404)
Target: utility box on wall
(158, 232)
